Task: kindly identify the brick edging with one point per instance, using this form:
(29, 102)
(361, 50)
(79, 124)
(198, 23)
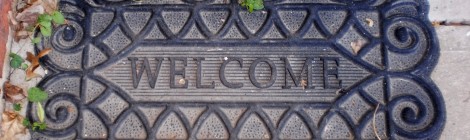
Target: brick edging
(5, 6)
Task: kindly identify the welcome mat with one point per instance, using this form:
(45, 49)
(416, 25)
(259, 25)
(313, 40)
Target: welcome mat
(209, 69)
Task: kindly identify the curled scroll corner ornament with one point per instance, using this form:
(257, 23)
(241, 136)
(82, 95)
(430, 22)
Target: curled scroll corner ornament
(414, 106)
(416, 111)
(61, 114)
(61, 109)
(410, 40)
(409, 44)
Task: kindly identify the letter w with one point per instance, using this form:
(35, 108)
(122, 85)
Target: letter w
(137, 75)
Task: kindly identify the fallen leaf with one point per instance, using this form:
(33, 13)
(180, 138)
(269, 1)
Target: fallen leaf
(34, 63)
(70, 109)
(12, 125)
(21, 5)
(18, 29)
(21, 34)
(370, 22)
(24, 17)
(436, 23)
(30, 74)
(13, 93)
(49, 6)
(303, 83)
(357, 45)
(11, 18)
(30, 14)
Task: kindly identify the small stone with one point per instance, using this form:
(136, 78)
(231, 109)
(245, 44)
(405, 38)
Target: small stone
(182, 81)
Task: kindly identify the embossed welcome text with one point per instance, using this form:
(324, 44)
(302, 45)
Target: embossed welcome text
(302, 78)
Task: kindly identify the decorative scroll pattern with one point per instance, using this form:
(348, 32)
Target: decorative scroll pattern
(400, 49)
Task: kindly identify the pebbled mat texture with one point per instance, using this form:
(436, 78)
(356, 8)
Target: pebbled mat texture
(208, 69)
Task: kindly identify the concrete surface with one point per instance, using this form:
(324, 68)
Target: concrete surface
(452, 72)
(453, 78)
(450, 10)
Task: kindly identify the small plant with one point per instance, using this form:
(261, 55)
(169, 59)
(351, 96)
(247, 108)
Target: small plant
(36, 96)
(45, 22)
(16, 60)
(26, 19)
(252, 5)
(17, 107)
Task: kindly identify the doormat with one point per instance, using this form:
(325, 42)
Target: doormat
(211, 69)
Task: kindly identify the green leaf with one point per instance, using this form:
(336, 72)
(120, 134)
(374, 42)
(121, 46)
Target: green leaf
(36, 40)
(45, 23)
(258, 5)
(46, 31)
(35, 94)
(17, 107)
(24, 66)
(15, 64)
(252, 5)
(44, 17)
(40, 112)
(26, 122)
(16, 60)
(39, 125)
(58, 18)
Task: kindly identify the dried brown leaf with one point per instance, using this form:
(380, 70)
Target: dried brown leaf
(12, 125)
(34, 1)
(30, 73)
(70, 109)
(357, 45)
(35, 62)
(303, 83)
(30, 14)
(21, 5)
(13, 93)
(370, 22)
(20, 35)
(12, 19)
(49, 5)
(17, 26)
(436, 23)
(44, 52)
(24, 16)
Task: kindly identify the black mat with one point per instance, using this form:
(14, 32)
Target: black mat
(208, 69)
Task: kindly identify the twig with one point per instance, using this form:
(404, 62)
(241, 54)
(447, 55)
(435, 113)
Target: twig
(373, 122)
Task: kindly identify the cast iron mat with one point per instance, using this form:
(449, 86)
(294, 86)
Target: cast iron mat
(208, 69)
